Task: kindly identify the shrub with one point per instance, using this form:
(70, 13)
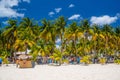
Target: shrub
(102, 61)
(117, 61)
(85, 60)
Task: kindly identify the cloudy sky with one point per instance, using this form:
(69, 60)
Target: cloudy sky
(96, 11)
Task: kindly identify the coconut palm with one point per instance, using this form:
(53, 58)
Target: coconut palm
(78, 39)
(9, 35)
(96, 38)
(60, 24)
(86, 28)
(107, 30)
(73, 33)
(48, 33)
(46, 30)
(117, 38)
(26, 36)
(1, 39)
(87, 31)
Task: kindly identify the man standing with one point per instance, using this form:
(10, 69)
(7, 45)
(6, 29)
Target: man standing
(0, 61)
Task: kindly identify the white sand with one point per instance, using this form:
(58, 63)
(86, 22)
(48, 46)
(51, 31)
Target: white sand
(69, 72)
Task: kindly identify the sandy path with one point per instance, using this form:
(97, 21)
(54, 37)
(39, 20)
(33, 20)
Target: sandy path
(70, 72)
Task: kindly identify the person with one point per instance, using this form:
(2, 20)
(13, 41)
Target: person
(0, 61)
(72, 59)
(78, 59)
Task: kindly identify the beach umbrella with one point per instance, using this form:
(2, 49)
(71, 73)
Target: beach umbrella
(23, 56)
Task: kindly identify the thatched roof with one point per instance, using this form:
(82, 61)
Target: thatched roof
(18, 53)
(23, 56)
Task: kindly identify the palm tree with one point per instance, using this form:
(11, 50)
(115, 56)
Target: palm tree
(107, 30)
(60, 24)
(1, 41)
(96, 38)
(40, 49)
(86, 28)
(26, 36)
(117, 38)
(79, 39)
(10, 35)
(73, 33)
(45, 30)
(48, 33)
(87, 33)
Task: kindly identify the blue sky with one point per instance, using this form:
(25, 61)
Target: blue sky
(96, 11)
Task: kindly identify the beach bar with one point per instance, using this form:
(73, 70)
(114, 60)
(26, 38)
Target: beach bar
(23, 60)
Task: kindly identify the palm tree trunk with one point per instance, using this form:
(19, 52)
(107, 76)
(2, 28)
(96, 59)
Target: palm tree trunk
(26, 45)
(61, 42)
(75, 45)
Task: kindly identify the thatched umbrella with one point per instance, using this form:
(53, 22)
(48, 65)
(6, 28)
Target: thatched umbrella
(23, 56)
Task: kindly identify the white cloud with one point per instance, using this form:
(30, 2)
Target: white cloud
(8, 12)
(5, 22)
(74, 17)
(58, 40)
(28, 1)
(51, 13)
(101, 20)
(71, 5)
(57, 10)
(6, 8)
(8, 3)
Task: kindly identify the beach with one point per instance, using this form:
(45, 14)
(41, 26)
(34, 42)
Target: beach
(64, 72)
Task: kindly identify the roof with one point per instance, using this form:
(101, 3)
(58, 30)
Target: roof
(28, 51)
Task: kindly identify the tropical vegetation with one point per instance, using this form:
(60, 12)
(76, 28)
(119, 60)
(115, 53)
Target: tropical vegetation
(76, 39)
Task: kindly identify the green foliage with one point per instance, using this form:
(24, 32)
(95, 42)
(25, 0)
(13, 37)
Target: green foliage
(102, 60)
(4, 56)
(57, 55)
(4, 53)
(117, 61)
(86, 59)
(34, 56)
(65, 61)
(75, 38)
